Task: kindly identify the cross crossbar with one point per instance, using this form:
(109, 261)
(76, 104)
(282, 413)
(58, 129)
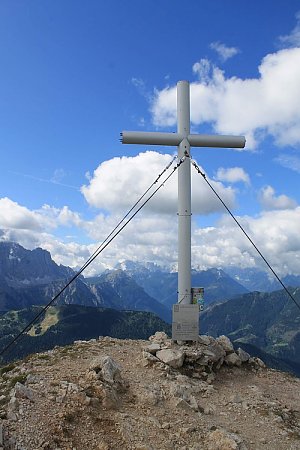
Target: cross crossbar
(171, 139)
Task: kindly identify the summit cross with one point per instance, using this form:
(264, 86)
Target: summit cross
(183, 140)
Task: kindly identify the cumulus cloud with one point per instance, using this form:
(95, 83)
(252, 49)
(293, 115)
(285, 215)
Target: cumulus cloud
(269, 200)
(223, 51)
(268, 104)
(153, 237)
(233, 175)
(274, 232)
(118, 183)
(13, 215)
(55, 217)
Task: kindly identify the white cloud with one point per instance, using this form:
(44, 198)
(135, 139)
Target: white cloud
(13, 215)
(203, 69)
(55, 217)
(269, 200)
(292, 39)
(153, 237)
(223, 51)
(268, 104)
(233, 175)
(289, 161)
(274, 232)
(118, 183)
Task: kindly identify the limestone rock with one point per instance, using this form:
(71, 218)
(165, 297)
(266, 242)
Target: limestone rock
(107, 369)
(152, 348)
(215, 352)
(110, 399)
(171, 357)
(204, 340)
(225, 342)
(151, 395)
(21, 391)
(244, 356)
(223, 440)
(233, 360)
(160, 337)
(260, 363)
(182, 404)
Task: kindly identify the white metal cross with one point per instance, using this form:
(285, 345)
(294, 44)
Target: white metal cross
(183, 140)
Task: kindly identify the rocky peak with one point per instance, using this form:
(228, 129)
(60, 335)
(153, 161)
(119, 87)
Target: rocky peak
(19, 266)
(146, 395)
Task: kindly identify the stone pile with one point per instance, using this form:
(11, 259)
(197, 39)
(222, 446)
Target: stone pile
(199, 359)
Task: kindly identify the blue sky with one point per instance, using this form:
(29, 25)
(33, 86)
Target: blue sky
(75, 74)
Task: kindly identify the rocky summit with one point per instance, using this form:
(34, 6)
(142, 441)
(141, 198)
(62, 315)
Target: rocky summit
(113, 394)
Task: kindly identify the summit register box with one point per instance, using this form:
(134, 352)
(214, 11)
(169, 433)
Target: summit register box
(185, 322)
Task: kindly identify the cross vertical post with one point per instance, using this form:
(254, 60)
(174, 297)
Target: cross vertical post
(184, 194)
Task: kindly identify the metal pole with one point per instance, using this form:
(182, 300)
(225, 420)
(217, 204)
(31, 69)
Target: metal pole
(184, 195)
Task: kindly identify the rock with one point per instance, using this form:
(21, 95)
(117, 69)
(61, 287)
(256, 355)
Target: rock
(193, 403)
(204, 340)
(225, 342)
(244, 356)
(215, 352)
(149, 357)
(110, 399)
(233, 360)
(209, 410)
(21, 391)
(107, 369)
(212, 354)
(93, 401)
(173, 358)
(160, 337)
(151, 395)
(260, 363)
(102, 446)
(12, 409)
(236, 398)
(223, 440)
(71, 388)
(192, 354)
(182, 404)
(152, 348)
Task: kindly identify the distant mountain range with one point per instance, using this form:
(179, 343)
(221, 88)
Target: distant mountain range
(257, 280)
(268, 322)
(162, 284)
(31, 277)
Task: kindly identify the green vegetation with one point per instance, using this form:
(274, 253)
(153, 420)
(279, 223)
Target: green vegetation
(7, 368)
(62, 325)
(18, 379)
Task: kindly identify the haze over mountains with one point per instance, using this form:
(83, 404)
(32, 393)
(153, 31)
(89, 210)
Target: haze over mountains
(267, 322)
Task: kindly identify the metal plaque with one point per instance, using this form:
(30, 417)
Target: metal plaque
(185, 323)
